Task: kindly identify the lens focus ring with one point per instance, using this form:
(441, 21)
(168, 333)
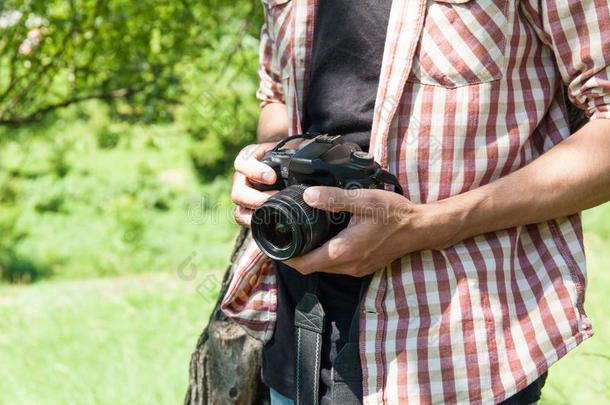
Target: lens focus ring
(285, 226)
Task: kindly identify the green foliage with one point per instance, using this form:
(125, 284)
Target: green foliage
(128, 214)
(113, 186)
(107, 138)
(9, 188)
(136, 207)
(53, 203)
(597, 222)
(54, 53)
(8, 238)
(14, 267)
(151, 62)
(58, 160)
(221, 115)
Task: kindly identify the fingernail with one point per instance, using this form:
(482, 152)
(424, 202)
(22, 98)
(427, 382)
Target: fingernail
(268, 176)
(311, 196)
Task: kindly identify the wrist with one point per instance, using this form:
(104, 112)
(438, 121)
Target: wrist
(449, 221)
(429, 222)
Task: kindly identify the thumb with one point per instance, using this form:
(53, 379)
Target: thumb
(357, 201)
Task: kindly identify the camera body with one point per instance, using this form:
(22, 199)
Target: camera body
(285, 226)
(327, 161)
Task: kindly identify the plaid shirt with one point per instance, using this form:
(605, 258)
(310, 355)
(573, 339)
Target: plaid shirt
(469, 91)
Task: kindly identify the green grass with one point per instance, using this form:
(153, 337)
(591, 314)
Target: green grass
(122, 340)
(128, 339)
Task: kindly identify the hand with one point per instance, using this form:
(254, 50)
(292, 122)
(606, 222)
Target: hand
(248, 166)
(384, 226)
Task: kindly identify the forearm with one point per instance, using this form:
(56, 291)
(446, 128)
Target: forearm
(571, 177)
(272, 123)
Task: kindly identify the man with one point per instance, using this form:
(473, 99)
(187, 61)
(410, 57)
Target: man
(477, 273)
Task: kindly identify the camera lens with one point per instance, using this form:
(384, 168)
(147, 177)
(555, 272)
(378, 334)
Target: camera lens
(278, 230)
(285, 226)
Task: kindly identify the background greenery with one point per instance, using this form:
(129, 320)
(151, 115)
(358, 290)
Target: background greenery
(117, 131)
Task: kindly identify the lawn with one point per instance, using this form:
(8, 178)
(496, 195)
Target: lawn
(122, 340)
(127, 339)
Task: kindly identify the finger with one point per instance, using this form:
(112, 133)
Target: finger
(256, 150)
(248, 163)
(243, 216)
(331, 255)
(360, 201)
(244, 195)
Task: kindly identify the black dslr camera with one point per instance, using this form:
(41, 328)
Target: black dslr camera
(285, 226)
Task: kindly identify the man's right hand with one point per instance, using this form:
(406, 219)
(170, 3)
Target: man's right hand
(248, 166)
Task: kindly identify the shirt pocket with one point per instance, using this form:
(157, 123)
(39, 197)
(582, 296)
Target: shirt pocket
(462, 43)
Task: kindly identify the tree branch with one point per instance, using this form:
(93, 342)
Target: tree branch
(38, 114)
(36, 77)
(243, 31)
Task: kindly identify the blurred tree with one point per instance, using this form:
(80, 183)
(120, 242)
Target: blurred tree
(59, 52)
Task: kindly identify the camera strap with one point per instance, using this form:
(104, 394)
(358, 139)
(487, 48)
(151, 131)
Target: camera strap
(346, 370)
(309, 327)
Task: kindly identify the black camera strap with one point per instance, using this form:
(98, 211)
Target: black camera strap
(309, 327)
(346, 371)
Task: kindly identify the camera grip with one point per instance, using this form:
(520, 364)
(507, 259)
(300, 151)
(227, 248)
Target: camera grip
(278, 185)
(262, 186)
(276, 160)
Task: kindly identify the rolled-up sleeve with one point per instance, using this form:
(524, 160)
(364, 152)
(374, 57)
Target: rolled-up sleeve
(578, 32)
(270, 88)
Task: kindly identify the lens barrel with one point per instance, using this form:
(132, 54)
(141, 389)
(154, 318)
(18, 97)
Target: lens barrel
(285, 226)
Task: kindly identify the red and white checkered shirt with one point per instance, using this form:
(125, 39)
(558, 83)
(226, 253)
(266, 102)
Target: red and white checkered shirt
(469, 91)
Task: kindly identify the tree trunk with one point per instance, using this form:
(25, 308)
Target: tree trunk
(225, 367)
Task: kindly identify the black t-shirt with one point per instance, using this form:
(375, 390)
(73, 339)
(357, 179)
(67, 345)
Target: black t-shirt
(348, 44)
(347, 51)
